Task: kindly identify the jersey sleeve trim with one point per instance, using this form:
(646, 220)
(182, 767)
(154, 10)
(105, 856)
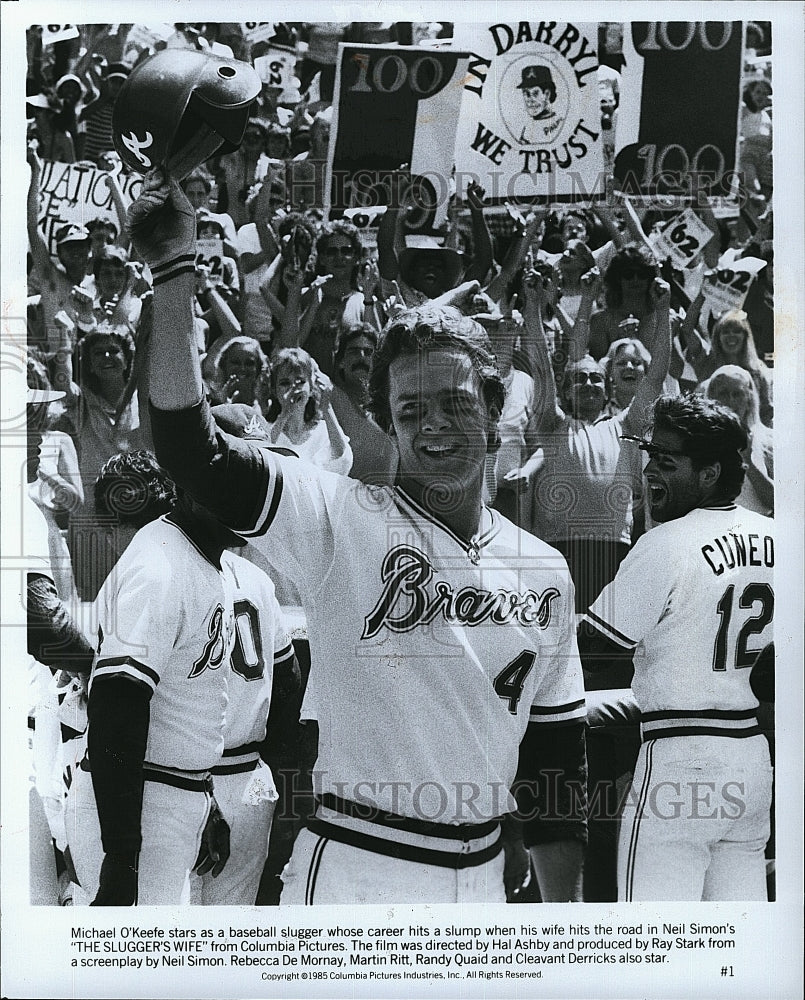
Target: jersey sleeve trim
(609, 630)
(281, 655)
(270, 501)
(571, 711)
(128, 667)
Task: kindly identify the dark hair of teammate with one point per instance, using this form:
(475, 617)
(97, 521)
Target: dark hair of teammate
(710, 433)
(430, 327)
(132, 489)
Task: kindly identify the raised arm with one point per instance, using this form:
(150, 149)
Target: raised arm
(546, 402)
(579, 337)
(39, 250)
(652, 384)
(514, 258)
(482, 259)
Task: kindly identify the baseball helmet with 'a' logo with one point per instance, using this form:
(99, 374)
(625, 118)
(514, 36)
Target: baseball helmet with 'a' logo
(180, 107)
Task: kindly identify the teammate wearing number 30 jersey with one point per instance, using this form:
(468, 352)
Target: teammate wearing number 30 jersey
(442, 638)
(694, 602)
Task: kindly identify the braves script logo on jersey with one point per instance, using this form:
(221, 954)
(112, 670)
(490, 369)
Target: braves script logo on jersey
(215, 649)
(134, 145)
(407, 601)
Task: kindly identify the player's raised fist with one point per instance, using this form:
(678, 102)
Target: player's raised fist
(161, 222)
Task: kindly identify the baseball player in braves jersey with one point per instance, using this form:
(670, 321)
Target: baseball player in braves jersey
(157, 695)
(694, 603)
(442, 638)
(262, 661)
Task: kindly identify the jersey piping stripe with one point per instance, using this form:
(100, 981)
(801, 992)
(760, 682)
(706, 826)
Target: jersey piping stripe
(121, 661)
(610, 630)
(644, 790)
(284, 654)
(735, 734)
(313, 871)
(476, 543)
(273, 495)
(571, 706)
(707, 713)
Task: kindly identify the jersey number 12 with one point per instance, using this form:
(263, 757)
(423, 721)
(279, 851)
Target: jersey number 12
(742, 655)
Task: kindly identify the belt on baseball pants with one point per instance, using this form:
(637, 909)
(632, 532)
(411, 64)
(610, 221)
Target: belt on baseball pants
(239, 760)
(190, 781)
(736, 724)
(368, 828)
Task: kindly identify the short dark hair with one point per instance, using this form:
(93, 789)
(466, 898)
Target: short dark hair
(340, 228)
(430, 327)
(711, 433)
(346, 337)
(133, 489)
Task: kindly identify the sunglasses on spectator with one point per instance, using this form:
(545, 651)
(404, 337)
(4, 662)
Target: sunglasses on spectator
(345, 252)
(594, 378)
(653, 450)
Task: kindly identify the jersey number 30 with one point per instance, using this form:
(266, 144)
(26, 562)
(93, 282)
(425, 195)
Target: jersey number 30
(742, 655)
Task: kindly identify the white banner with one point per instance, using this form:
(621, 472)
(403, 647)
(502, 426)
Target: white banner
(78, 193)
(530, 121)
(257, 31)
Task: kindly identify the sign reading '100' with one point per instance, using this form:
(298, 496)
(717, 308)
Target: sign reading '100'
(711, 35)
(390, 73)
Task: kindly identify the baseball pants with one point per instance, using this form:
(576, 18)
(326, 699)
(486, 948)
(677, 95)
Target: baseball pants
(696, 821)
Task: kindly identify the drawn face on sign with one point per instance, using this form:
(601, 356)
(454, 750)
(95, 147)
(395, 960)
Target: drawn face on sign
(533, 100)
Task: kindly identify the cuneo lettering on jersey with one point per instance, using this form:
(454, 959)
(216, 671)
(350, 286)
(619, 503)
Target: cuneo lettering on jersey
(733, 549)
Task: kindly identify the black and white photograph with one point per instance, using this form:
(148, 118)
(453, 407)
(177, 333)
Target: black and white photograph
(394, 554)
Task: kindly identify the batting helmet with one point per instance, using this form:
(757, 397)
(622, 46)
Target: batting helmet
(180, 107)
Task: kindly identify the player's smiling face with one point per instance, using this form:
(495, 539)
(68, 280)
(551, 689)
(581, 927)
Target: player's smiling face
(675, 487)
(440, 422)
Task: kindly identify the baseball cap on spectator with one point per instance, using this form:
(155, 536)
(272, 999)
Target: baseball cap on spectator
(417, 246)
(72, 233)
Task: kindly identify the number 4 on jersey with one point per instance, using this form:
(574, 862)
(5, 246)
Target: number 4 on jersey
(509, 682)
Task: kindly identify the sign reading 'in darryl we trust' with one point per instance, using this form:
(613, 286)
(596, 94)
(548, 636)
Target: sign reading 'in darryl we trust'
(530, 119)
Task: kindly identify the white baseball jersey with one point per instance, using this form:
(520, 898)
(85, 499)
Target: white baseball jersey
(698, 593)
(166, 622)
(261, 641)
(430, 654)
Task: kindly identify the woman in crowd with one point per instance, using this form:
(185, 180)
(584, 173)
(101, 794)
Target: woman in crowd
(301, 414)
(735, 388)
(627, 284)
(237, 372)
(732, 343)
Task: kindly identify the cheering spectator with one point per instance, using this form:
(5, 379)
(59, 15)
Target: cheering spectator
(583, 478)
(735, 388)
(95, 120)
(241, 169)
(732, 343)
(301, 412)
(374, 457)
(237, 372)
